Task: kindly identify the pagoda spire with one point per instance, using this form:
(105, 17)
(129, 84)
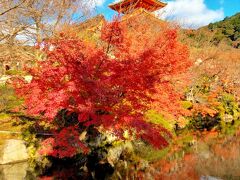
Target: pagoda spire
(128, 6)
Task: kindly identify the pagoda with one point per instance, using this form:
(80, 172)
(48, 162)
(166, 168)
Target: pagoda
(129, 6)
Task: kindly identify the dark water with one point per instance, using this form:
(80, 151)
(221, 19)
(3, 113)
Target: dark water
(20, 171)
(59, 171)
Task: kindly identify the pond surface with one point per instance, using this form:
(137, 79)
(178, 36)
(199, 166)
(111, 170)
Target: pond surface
(211, 161)
(20, 171)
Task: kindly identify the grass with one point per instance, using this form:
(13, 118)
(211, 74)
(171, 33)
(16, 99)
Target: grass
(149, 153)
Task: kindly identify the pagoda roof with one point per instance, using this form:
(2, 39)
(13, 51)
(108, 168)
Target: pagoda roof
(126, 6)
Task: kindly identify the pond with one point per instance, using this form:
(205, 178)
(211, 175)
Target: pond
(20, 171)
(208, 160)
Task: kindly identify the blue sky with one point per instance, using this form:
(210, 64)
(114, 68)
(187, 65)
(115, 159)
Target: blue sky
(230, 7)
(188, 13)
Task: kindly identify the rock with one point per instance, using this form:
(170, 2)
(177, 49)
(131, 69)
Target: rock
(198, 61)
(13, 151)
(228, 118)
(115, 152)
(4, 78)
(16, 171)
(28, 79)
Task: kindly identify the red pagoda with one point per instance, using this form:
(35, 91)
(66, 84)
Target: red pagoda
(128, 6)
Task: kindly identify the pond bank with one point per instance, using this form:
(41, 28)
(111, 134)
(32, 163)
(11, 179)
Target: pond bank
(16, 171)
(13, 151)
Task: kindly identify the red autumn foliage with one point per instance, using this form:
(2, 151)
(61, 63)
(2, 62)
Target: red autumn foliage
(65, 143)
(107, 88)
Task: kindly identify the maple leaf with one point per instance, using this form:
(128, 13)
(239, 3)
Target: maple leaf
(108, 91)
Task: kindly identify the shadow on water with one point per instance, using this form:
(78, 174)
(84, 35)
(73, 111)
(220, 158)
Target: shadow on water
(60, 170)
(78, 168)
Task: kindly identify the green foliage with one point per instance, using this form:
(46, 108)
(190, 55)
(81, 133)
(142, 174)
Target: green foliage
(229, 113)
(16, 72)
(217, 38)
(4, 116)
(148, 153)
(229, 105)
(228, 29)
(6, 125)
(225, 32)
(156, 118)
(186, 104)
(226, 118)
(213, 106)
(8, 99)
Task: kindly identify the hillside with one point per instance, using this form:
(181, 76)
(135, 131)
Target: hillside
(228, 29)
(225, 32)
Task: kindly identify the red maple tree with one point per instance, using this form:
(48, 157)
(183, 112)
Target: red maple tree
(109, 86)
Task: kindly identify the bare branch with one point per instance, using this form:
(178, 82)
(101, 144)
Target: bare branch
(12, 8)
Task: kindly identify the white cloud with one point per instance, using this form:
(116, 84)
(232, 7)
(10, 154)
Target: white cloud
(190, 13)
(99, 2)
(91, 4)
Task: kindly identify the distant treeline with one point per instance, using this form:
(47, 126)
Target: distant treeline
(228, 29)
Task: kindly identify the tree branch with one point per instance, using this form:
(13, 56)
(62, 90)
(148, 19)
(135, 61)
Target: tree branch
(12, 8)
